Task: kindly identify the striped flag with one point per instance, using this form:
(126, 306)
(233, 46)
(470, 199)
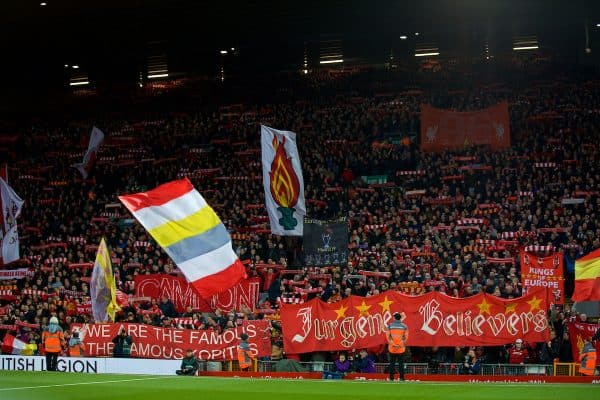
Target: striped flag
(96, 139)
(12, 345)
(587, 277)
(190, 232)
(102, 287)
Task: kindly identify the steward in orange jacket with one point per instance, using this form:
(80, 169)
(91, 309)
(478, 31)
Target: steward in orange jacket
(245, 357)
(53, 340)
(397, 335)
(588, 359)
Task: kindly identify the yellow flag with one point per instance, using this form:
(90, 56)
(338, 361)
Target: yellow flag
(102, 287)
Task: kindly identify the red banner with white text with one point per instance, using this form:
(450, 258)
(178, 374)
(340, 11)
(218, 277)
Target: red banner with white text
(578, 332)
(182, 294)
(446, 129)
(546, 272)
(168, 343)
(433, 319)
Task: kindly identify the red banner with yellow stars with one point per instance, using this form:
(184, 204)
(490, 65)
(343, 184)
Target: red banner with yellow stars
(433, 319)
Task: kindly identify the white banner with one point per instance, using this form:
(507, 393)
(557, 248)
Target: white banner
(10, 274)
(10, 210)
(92, 365)
(96, 139)
(283, 182)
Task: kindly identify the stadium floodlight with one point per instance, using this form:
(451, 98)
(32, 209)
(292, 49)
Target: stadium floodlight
(519, 48)
(155, 76)
(233, 49)
(434, 53)
(66, 65)
(43, 4)
(417, 33)
(403, 37)
(223, 51)
(598, 25)
(75, 67)
(336, 61)
(79, 83)
(305, 71)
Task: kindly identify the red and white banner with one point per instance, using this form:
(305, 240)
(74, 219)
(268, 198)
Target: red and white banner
(15, 274)
(168, 343)
(96, 139)
(445, 129)
(544, 272)
(433, 319)
(578, 332)
(182, 294)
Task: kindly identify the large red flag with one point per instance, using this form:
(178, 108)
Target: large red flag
(446, 129)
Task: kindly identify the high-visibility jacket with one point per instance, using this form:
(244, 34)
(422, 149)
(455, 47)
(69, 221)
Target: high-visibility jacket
(245, 356)
(76, 350)
(53, 341)
(397, 337)
(588, 360)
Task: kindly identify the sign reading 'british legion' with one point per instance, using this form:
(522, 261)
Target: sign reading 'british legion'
(183, 295)
(434, 319)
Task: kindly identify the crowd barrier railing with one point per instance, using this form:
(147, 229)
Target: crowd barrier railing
(557, 369)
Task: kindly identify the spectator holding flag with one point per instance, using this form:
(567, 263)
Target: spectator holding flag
(53, 340)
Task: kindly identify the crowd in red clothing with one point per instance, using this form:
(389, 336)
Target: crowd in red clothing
(348, 128)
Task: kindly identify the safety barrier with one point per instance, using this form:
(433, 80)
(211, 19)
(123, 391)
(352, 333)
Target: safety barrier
(412, 368)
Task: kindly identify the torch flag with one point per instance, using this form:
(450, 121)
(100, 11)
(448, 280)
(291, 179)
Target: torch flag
(96, 139)
(587, 277)
(102, 287)
(190, 232)
(283, 182)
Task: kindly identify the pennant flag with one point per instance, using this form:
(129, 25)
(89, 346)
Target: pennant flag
(190, 232)
(10, 209)
(587, 277)
(12, 345)
(102, 287)
(283, 182)
(96, 139)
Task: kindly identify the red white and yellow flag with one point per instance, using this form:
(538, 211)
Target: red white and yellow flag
(587, 277)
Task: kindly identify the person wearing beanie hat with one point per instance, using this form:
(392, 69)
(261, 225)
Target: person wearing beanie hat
(245, 356)
(53, 340)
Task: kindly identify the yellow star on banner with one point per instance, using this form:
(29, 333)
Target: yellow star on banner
(484, 307)
(385, 304)
(363, 309)
(511, 308)
(534, 303)
(341, 312)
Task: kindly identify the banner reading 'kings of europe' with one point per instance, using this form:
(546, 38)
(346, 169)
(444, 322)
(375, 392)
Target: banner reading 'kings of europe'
(544, 272)
(325, 242)
(433, 319)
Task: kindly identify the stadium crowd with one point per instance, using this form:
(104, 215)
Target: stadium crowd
(405, 225)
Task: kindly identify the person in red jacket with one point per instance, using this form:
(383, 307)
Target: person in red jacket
(518, 354)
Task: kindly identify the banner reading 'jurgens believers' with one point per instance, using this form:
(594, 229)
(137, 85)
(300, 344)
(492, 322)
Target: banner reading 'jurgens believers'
(433, 319)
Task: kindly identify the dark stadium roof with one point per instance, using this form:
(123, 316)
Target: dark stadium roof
(112, 38)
